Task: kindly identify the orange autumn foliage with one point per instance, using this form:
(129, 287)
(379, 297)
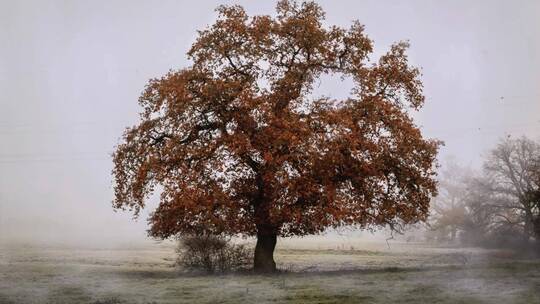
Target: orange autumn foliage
(236, 144)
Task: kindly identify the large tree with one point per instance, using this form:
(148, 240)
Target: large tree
(236, 144)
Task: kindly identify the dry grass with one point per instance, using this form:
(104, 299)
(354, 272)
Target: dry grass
(406, 274)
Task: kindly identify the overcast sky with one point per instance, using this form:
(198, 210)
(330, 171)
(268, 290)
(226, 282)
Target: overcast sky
(71, 73)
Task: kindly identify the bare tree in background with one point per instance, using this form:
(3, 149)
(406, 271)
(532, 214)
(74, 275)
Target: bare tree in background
(511, 170)
(479, 213)
(535, 197)
(499, 206)
(448, 208)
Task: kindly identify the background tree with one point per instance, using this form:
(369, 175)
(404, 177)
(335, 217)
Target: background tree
(535, 198)
(498, 207)
(449, 210)
(236, 144)
(477, 226)
(512, 172)
(461, 210)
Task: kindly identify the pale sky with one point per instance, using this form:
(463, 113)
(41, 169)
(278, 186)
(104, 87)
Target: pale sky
(71, 73)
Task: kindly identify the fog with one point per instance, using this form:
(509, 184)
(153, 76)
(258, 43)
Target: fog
(71, 73)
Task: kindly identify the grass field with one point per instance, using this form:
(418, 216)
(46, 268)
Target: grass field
(402, 273)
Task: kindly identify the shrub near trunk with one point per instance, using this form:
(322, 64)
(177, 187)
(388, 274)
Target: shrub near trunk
(211, 254)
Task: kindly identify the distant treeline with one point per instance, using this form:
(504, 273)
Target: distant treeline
(498, 206)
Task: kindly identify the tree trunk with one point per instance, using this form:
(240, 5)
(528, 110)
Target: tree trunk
(528, 227)
(536, 225)
(264, 253)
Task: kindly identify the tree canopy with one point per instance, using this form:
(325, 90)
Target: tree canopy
(236, 143)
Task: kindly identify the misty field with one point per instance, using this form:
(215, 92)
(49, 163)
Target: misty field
(376, 273)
